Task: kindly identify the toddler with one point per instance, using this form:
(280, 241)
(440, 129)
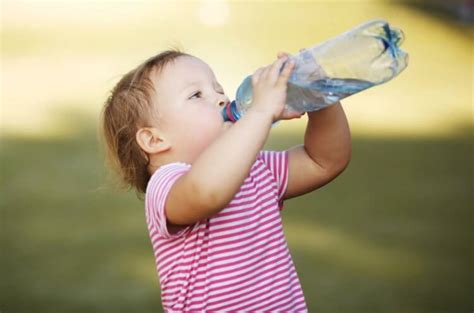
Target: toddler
(212, 196)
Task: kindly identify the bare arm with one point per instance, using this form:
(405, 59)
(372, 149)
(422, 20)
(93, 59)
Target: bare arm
(327, 139)
(325, 154)
(221, 169)
(218, 173)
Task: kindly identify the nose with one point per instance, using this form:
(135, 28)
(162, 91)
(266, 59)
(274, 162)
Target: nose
(223, 101)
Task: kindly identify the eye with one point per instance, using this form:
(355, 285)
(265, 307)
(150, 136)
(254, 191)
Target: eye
(197, 93)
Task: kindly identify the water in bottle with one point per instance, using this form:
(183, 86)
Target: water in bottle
(363, 57)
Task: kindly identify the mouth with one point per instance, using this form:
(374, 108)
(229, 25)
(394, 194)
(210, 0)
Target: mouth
(227, 125)
(229, 112)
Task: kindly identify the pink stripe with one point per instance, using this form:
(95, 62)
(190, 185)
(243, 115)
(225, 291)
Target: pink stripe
(250, 302)
(234, 210)
(293, 301)
(247, 237)
(253, 293)
(256, 272)
(249, 185)
(266, 184)
(239, 218)
(266, 246)
(219, 226)
(253, 201)
(167, 262)
(247, 230)
(269, 250)
(286, 306)
(253, 184)
(284, 180)
(243, 252)
(159, 191)
(266, 306)
(179, 283)
(262, 255)
(230, 228)
(162, 249)
(161, 209)
(158, 187)
(248, 284)
(184, 287)
(274, 165)
(246, 244)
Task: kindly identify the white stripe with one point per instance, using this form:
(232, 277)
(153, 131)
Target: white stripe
(241, 267)
(180, 267)
(284, 299)
(247, 228)
(263, 201)
(177, 285)
(252, 189)
(243, 243)
(253, 218)
(267, 225)
(275, 250)
(254, 193)
(230, 284)
(170, 254)
(235, 295)
(259, 300)
(246, 253)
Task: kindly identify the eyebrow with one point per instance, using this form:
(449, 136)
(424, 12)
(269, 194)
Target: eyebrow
(196, 83)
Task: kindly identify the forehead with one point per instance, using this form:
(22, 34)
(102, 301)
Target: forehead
(181, 72)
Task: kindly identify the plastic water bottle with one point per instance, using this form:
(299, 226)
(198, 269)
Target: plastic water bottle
(363, 57)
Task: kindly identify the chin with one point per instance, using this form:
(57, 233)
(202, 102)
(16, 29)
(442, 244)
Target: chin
(227, 125)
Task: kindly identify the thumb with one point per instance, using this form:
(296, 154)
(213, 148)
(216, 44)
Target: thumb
(289, 114)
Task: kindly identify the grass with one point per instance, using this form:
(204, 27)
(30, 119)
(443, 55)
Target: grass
(391, 234)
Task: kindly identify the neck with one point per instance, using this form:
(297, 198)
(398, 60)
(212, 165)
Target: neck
(161, 159)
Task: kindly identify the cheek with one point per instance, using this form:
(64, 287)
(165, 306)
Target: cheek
(195, 125)
(209, 127)
(208, 123)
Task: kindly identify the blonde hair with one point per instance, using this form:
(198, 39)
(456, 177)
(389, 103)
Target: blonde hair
(128, 107)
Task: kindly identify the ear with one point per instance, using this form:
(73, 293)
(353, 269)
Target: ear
(151, 140)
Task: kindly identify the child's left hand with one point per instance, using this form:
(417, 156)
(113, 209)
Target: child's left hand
(288, 115)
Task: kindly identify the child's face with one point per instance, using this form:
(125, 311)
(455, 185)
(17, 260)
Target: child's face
(190, 101)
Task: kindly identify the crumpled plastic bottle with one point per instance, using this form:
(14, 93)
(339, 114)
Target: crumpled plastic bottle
(363, 57)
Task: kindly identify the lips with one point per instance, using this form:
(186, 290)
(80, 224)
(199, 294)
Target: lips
(227, 125)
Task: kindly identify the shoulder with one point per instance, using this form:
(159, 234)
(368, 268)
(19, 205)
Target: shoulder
(165, 172)
(157, 191)
(163, 178)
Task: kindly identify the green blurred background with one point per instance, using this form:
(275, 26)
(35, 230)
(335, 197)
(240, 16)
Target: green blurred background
(393, 233)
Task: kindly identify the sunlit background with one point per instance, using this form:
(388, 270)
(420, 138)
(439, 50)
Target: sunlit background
(393, 233)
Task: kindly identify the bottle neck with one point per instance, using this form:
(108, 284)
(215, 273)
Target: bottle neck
(230, 112)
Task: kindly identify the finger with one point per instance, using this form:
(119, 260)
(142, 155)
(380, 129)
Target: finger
(276, 67)
(266, 71)
(288, 114)
(256, 76)
(282, 54)
(285, 74)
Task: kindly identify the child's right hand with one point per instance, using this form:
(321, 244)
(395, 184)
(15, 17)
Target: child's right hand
(270, 90)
